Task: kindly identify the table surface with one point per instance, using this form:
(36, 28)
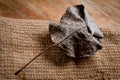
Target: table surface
(105, 12)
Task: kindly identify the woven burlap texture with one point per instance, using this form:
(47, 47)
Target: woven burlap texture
(21, 40)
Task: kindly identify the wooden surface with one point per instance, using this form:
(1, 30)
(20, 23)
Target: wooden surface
(105, 12)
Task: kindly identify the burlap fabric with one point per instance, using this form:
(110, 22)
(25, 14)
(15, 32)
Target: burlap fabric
(21, 40)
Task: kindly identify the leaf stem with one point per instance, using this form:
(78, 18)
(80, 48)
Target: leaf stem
(17, 72)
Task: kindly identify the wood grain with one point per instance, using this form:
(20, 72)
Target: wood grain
(105, 12)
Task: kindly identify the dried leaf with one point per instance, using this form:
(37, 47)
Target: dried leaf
(76, 34)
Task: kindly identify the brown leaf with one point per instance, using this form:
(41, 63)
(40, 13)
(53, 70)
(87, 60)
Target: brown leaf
(76, 34)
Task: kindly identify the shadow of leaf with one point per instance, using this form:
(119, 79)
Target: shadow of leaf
(55, 55)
